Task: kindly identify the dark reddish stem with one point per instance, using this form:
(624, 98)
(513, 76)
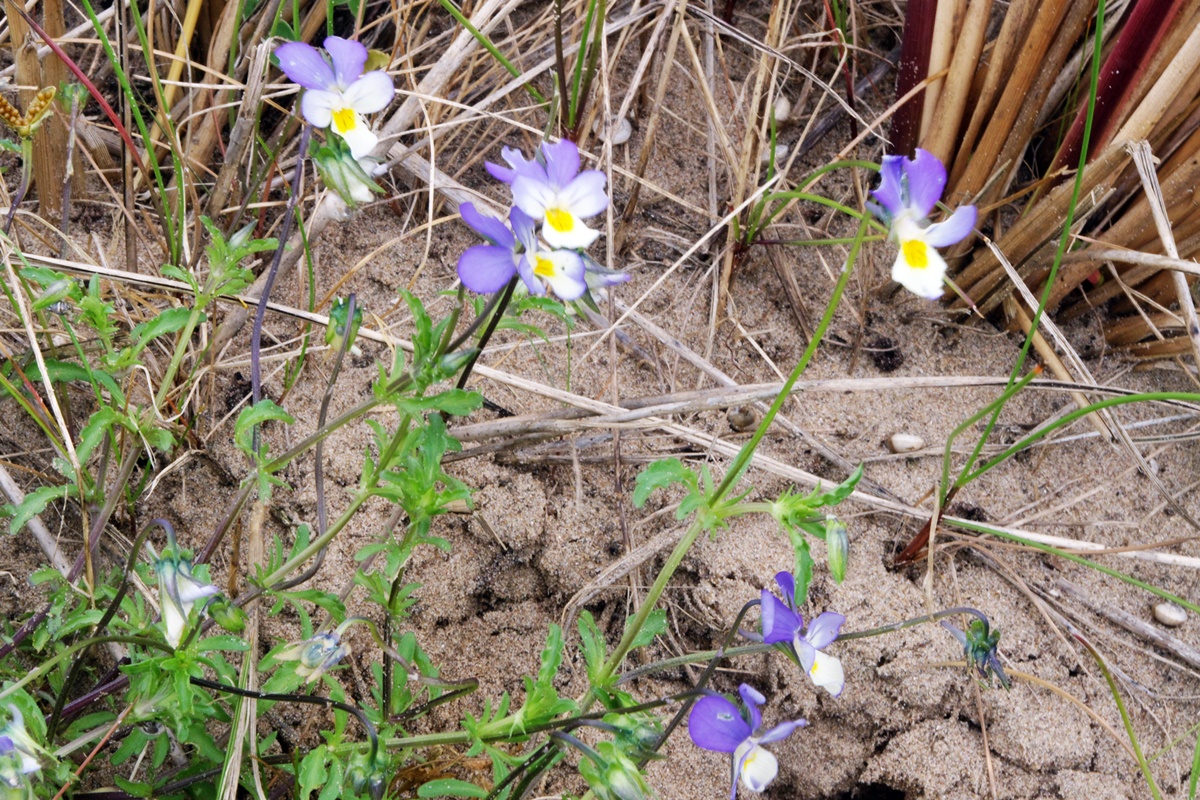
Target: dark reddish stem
(91, 87)
(915, 45)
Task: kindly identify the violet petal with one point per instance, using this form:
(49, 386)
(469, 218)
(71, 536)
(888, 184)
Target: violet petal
(926, 182)
(715, 724)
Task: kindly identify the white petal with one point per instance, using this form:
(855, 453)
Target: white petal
(923, 281)
(827, 672)
(360, 138)
(759, 768)
(175, 622)
(532, 196)
(564, 229)
(563, 271)
(317, 106)
(370, 93)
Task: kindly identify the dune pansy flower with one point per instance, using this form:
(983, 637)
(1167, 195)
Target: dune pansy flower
(487, 268)
(338, 96)
(716, 724)
(782, 623)
(18, 753)
(554, 192)
(178, 591)
(316, 654)
(909, 188)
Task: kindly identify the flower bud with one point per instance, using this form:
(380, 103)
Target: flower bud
(345, 175)
(451, 363)
(341, 326)
(837, 547)
(227, 615)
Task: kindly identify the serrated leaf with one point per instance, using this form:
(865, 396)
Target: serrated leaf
(252, 416)
(551, 656)
(35, 503)
(455, 402)
(660, 475)
(172, 320)
(655, 624)
(450, 787)
(592, 643)
(312, 774)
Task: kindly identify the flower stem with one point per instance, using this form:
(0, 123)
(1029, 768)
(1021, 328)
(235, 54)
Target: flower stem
(740, 463)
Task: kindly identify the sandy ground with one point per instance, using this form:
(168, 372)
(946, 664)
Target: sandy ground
(907, 726)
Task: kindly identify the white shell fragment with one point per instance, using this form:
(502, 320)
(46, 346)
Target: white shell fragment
(621, 128)
(1170, 614)
(783, 109)
(781, 151)
(905, 443)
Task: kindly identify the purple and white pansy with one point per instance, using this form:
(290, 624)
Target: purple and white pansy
(547, 189)
(337, 92)
(909, 189)
(783, 623)
(717, 724)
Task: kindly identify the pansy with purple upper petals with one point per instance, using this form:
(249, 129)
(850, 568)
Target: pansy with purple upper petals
(909, 189)
(178, 592)
(782, 623)
(340, 94)
(18, 754)
(717, 724)
(487, 268)
(554, 192)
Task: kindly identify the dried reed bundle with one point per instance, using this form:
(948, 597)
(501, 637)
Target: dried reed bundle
(1011, 129)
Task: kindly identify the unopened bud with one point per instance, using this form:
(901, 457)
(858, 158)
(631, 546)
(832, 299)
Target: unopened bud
(837, 547)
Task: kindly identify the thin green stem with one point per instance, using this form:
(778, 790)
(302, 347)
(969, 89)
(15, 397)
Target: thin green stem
(486, 43)
(740, 463)
(1087, 562)
(1063, 243)
(1116, 694)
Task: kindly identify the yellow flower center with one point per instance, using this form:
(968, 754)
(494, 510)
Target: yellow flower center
(916, 253)
(543, 267)
(813, 671)
(560, 220)
(344, 119)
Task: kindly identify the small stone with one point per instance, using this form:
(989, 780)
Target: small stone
(622, 129)
(783, 109)
(905, 443)
(1170, 614)
(781, 151)
(741, 418)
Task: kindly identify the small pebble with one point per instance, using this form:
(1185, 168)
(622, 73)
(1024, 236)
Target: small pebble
(741, 418)
(781, 151)
(905, 443)
(783, 109)
(622, 129)
(1170, 614)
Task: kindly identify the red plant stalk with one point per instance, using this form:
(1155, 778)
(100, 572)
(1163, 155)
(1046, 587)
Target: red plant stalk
(915, 44)
(1132, 53)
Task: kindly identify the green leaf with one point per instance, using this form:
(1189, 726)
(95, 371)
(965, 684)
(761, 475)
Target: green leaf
(455, 402)
(804, 570)
(450, 787)
(592, 643)
(172, 320)
(841, 492)
(66, 372)
(551, 656)
(656, 624)
(222, 642)
(35, 503)
(134, 788)
(93, 433)
(660, 475)
(252, 416)
(312, 774)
